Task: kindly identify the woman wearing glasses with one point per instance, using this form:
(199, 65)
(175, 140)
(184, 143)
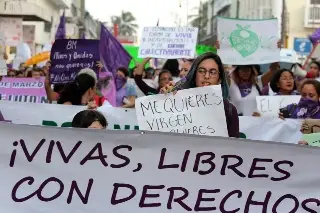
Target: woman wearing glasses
(208, 70)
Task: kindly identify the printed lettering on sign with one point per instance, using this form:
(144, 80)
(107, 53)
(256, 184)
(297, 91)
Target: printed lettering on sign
(186, 112)
(168, 42)
(158, 172)
(69, 56)
(30, 90)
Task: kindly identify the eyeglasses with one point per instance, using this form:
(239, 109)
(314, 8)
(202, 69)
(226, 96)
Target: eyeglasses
(212, 73)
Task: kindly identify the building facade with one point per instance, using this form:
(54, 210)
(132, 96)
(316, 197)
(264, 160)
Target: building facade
(304, 19)
(215, 8)
(39, 17)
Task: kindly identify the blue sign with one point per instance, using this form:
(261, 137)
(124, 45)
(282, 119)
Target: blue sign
(302, 46)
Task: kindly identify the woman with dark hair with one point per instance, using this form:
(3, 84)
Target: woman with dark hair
(79, 92)
(91, 119)
(246, 85)
(164, 78)
(283, 83)
(208, 70)
(308, 106)
(314, 70)
(126, 93)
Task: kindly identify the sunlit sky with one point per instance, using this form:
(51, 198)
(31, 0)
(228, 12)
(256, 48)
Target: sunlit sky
(147, 12)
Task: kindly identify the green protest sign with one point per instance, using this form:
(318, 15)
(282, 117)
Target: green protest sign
(133, 51)
(312, 139)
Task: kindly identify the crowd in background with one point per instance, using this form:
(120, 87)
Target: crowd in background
(240, 86)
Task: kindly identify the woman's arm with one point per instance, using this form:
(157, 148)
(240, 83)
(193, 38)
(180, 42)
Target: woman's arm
(266, 77)
(145, 88)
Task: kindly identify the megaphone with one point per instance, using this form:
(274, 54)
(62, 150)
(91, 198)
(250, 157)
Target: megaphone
(298, 71)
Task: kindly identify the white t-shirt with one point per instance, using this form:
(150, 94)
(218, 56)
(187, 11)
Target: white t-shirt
(245, 105)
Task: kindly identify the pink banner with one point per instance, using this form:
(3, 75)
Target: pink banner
(23, 90)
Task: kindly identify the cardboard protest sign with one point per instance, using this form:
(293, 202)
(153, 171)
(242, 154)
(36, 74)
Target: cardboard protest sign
(197, 111)
(23, 90)
(69, 56)
(313, 126)
(269, 106)
(312, 139)
(168, 42)
(78, 170)
(248, 41)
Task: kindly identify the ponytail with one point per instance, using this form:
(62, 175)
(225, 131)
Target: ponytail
(74, 91)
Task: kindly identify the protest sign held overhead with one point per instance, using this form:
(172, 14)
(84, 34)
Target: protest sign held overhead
(270, 105)
(23, 90)
(186, 112)
(248, 41)
(168, 42)
(71, 169)
(69, 56)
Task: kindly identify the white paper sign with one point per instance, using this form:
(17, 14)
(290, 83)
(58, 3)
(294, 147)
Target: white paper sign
(168, 42)
(270, 105)
(198, 111)
(248, 41)
(254, 128)
(12, 29)
(81, 171)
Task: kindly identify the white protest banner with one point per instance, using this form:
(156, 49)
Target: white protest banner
(168, 42)
(266, 129)
(270, 105)
(12, 30)
(197, 111)
(248, 41)
(79, 170)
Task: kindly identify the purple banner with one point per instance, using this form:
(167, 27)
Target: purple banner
(69, 56)
(23, 90)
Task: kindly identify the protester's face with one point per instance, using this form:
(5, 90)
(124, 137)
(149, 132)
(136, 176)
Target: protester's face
(245, 73)
(120, 74)
(96, 125)
(286, 81)
(207, 73)
(164, 79)
(35, 74)
(11, 74)
(20, 75)
(314, 69)
(185, 67)
(309, 91)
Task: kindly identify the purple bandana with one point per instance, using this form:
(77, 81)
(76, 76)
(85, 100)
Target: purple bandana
(307, 108)
(292, 93)
(120, 81)
(245, 89)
